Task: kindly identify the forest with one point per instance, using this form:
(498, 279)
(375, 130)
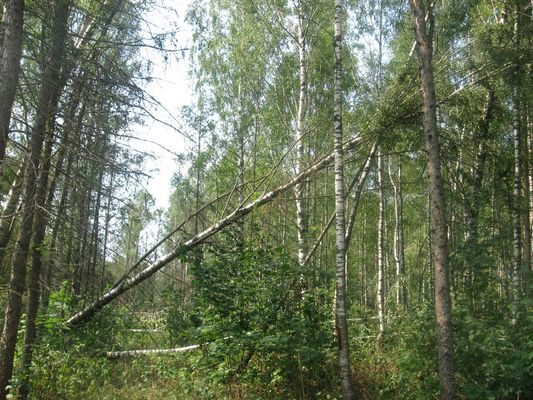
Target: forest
(350, 216)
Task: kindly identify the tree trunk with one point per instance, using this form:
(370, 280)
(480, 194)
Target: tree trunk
(299, 189)
(517, 199)
(381, 252)
(240, 164)
(108, 217)
(398, 250)
(40, 223)
(9, 214)
(357, 193)
(125, 283)
(91, 290)
(10, 67)
(517, 184)
(357, 187)
(439, 237)
(20, 254)
(341, 321)
(473, 202)
(529, 177)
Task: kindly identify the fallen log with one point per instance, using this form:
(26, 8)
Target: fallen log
(181, 249)
(133, 353)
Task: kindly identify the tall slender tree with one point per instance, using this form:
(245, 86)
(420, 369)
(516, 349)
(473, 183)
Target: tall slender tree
(381, 250)
(341, 320)
(48, 89)
(439, 231)
(299, 189)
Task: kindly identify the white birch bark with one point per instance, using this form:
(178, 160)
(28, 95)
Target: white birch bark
(381, 251)
(299, 189)
(517, 184)
(398, 251)
(341, 322)
(126, 283)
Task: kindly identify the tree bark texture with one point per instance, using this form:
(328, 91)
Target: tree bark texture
(20, 253)
(10, 67)
(299, 189)
(40, 223)
(517, 182)
(341, 321)
(529, 177)
(381, 251)
(439, 237)
(9, 214)
(516, 207)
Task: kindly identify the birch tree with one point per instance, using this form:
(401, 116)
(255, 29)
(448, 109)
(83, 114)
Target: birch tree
(341, 320)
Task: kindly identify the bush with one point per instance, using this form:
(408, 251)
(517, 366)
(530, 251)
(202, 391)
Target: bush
(262, 331)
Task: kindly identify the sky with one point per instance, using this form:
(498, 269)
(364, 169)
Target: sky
(169, 87)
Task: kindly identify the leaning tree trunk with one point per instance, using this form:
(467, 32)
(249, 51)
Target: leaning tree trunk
(40, 223)
(9, 67)
(341, 321)
(20, 254)
(439, 238)
(126, 282)
(357, 187)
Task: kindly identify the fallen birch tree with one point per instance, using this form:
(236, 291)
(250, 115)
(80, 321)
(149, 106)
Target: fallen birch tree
(126, 283)
(134, 353)
(240, 212)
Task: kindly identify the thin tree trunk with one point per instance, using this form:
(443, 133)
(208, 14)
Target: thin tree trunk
(51, 261)
(357, 186)
(126, 283)
(106, 232)
(517, 198)
(439, 237)
(96, 228)
(381, 251)
(9, 214)
(78, 258)
(357, 194)
(40, 223)
(517, 186)
(399, 257)
(529, 177)
(10, 67)
(240, 164)
(341, 321)
(20, 254)
(2, 25)
(473, 203)
(299, 189)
